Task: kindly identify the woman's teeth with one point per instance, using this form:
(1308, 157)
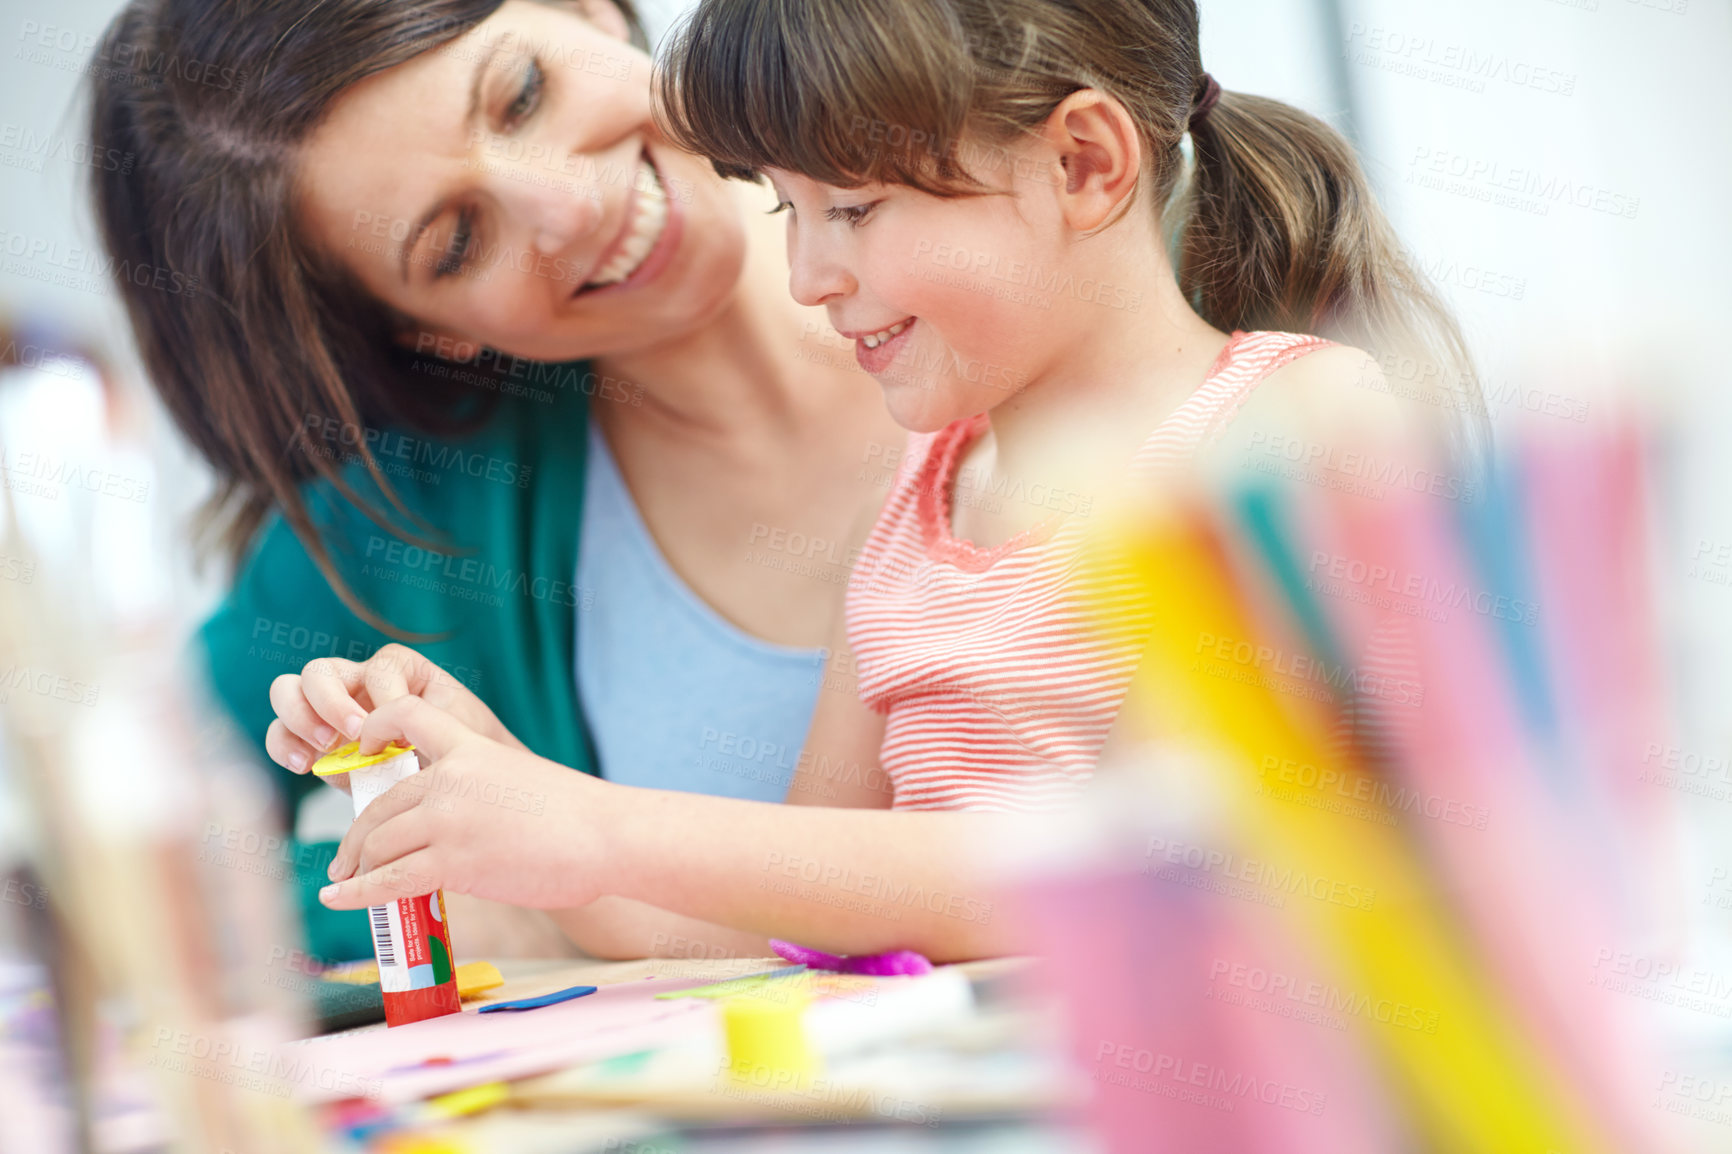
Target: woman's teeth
(649, 218)
(873, 340)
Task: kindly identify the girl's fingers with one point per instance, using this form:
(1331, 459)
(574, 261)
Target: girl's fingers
(399, 800)
(393, 840)
(298, 715)
(288, 750)
(399, 670)
(329, 686)
(391, 673)
(407, 877)
(411, 720)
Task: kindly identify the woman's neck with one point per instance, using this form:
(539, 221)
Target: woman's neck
(760, 360)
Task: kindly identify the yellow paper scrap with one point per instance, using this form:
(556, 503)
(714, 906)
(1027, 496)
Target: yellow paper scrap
(473, 978)
(347, 759)
(472, 1100)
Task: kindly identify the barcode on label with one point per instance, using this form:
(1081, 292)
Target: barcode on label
(383, 944)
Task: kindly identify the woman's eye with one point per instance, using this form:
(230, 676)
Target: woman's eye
(854, 214)
(457, 250)
(528, 96)
(782, 206)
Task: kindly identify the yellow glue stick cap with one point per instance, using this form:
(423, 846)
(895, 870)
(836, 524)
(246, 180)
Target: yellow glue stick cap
(767, 1042)
(346, 759)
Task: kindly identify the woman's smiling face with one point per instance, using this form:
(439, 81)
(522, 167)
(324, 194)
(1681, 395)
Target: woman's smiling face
(510, 188)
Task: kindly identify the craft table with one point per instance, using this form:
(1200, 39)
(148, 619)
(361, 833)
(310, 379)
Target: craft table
(990, 1082)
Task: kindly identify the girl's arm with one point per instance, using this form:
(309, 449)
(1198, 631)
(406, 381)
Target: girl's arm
(616, 928)
(839, 768)
(839, 762)
(504, 824)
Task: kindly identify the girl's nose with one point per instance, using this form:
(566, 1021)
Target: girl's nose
(815, 277)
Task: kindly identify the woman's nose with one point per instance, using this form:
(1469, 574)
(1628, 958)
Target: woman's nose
(557, 209)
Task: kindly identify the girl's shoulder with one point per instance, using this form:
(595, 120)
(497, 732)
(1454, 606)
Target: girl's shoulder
(1313, 404)
(1254, 356)
(1322, 391)
(1242, 368)
(915, 485)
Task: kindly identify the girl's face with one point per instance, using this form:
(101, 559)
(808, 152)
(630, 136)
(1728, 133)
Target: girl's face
(509, 188)
(954, 305)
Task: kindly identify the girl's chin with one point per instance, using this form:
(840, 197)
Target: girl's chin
(920, 410)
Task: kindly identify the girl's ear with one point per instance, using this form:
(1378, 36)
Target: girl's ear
(1101, 153)
(605, 15)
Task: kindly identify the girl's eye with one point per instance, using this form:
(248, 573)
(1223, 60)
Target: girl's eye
(457, 251)
(854, 214)
(528, 96)
(782, 206)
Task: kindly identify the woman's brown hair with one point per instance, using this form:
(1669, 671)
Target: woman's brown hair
(1276, 226)
(260, 336)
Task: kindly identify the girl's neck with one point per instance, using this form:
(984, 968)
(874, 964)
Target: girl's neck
(1105, 389)
(759, 361)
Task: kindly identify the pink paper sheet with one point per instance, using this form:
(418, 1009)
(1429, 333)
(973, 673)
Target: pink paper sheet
(392, 1065)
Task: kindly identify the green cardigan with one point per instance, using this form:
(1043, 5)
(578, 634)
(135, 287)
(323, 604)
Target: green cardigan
(501, 597)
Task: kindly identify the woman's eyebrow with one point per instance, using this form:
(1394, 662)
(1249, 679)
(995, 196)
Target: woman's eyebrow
(470, 115)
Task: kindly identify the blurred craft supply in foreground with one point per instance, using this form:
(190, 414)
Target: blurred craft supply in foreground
(141, 1001)
(1383, 826)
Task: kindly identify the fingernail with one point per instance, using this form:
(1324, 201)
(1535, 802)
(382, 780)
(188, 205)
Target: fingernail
(352, 726)
(324, 736)
(334, 870)
(298, 762)
(326, 894)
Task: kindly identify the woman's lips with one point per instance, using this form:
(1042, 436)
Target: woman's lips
(657, 258)
(625, 223)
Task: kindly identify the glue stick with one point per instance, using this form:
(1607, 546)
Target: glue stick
(410, 938)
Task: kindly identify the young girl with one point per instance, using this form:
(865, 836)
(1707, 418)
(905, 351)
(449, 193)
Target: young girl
(979, 192)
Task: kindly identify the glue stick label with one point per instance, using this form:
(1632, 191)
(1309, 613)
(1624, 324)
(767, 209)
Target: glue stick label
(388, 945)
(410, 942)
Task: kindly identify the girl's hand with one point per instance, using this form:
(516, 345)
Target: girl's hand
(326, 703)
(480, 818)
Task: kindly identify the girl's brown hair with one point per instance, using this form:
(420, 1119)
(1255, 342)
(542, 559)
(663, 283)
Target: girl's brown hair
(1277, 228)
(258, 335)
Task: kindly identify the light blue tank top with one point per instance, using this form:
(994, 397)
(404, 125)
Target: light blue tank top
(675, 696)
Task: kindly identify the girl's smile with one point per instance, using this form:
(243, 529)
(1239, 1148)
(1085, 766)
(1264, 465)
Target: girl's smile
(875, 350)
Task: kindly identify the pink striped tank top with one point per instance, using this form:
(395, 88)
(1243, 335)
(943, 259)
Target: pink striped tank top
(998, 689)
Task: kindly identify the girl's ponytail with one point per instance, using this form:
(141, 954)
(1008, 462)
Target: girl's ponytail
(1281, 231)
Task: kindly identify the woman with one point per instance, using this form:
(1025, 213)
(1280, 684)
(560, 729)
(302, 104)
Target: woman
(406, 220)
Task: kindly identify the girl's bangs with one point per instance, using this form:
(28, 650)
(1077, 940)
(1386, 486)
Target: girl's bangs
(840, 94)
